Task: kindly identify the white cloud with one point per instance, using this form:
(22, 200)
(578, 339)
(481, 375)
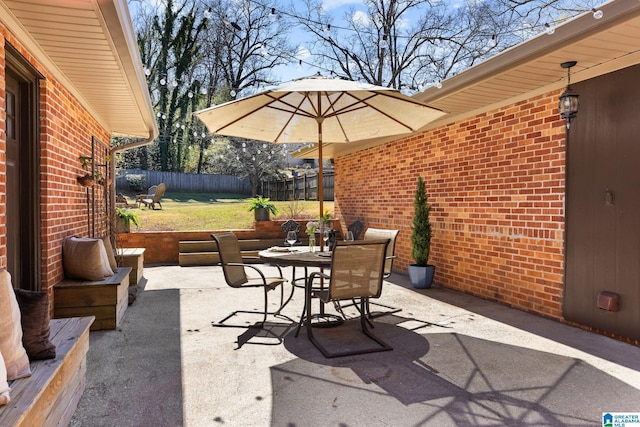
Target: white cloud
(302, 53)
(361, 17)
(334, 4)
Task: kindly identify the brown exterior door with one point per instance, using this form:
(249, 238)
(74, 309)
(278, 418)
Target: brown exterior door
(22, 178)
(603, 203)
(14, 118)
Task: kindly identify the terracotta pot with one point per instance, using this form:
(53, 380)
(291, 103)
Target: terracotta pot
(86, 181)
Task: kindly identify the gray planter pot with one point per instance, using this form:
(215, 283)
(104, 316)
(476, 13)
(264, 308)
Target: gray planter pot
(123, 226)
(261, 214)
(421, 276)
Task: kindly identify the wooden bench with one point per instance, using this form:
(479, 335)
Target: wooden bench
(205, 252)
(50, 396)
(134, 258)
(105, 299)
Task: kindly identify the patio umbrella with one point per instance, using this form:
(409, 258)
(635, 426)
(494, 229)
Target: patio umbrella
(322, 110)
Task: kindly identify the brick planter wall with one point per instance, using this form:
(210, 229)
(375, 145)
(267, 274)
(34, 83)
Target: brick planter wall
(162, 246)
(496, 186)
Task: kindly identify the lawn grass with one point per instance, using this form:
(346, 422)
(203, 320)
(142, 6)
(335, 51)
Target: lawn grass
(206, 211)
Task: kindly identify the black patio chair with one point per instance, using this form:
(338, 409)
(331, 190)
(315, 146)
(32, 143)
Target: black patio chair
(357, 269)
(235, 274)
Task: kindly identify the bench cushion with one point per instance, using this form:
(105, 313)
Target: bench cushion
(84, 258)
(34, 315)
(11, 348)
(4, 385)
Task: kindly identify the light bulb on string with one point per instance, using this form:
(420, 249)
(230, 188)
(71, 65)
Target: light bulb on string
(190, 94)
(549, 29)
(164, 117)
(232, 93)
(204, 135)
(174, 83)
(207, 13)
(163, 82)
(182, 127)
(597, 13)
(147, 72)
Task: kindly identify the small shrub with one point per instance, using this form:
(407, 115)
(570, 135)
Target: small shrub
(137, 182)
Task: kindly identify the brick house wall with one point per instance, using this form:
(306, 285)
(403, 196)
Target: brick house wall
(496, 184)
(65, 132)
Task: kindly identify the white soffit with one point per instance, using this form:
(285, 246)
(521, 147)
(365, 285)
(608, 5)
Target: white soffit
(90, 46)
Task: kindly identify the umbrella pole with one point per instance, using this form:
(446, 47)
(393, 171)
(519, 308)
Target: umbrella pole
(320, 174)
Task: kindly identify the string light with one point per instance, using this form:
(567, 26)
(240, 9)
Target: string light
(597, 13)
(549, 29)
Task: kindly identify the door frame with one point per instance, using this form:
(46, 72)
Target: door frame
(30, 233)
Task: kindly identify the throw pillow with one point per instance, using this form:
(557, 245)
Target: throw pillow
(85, 258)
(34, 315)
(4, 385)
(13, 352)
(110, 254)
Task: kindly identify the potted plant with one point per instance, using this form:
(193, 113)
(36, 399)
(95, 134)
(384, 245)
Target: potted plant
(325, 220)
(125, 217)
(421, 273)
(262, 207)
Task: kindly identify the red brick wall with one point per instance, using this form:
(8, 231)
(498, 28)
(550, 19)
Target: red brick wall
(65, 134)
(496, 186)
(162, 246)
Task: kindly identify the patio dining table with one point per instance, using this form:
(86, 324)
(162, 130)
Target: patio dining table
(303, 256)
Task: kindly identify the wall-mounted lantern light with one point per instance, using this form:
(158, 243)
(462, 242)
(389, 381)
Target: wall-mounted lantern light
(568, 105)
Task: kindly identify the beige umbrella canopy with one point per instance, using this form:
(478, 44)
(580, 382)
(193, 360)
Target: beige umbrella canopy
(322, 110)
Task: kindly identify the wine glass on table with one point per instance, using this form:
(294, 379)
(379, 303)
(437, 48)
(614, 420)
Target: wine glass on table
(292, 238)
(325, 238)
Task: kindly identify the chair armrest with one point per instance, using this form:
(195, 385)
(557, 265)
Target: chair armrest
(253, 267)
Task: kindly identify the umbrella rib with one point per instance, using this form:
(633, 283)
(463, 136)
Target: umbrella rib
(296, 110)
(244, 115)
(363, 104)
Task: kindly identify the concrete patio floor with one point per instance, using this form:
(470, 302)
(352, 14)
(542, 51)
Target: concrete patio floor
(457, 360)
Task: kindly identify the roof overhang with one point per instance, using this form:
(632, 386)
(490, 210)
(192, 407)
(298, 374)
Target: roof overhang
(90, 47)
(529, 69)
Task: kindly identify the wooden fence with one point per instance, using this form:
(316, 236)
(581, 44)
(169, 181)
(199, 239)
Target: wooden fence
(303, 187)
(188, 183)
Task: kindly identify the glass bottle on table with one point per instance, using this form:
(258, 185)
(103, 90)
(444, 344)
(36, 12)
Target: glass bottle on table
(325, 237)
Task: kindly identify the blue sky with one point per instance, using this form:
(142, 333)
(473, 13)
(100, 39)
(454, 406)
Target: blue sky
(337, 8)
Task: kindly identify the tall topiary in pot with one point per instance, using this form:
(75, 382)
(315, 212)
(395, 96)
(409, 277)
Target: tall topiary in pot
(421, 273)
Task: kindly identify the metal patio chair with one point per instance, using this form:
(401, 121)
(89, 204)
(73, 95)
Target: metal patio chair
(235, 274)
(357, 269)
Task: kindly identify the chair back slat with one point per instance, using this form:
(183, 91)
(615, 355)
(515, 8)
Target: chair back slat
(159, 193)
(357, 269)
(229, 251)
(356, 228)
(377, 233)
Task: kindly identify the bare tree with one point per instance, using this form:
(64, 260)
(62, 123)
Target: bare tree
(248, 41)
(408, 44)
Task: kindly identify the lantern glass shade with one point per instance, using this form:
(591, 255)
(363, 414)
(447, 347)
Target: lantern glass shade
(568, 105)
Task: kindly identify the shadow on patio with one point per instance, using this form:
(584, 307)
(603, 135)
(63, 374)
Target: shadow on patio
(457, 360)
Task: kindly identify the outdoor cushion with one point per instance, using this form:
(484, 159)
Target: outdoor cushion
(85, 258)
(110, 254)
(13, 352)
(4, 385)
(34, 315)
